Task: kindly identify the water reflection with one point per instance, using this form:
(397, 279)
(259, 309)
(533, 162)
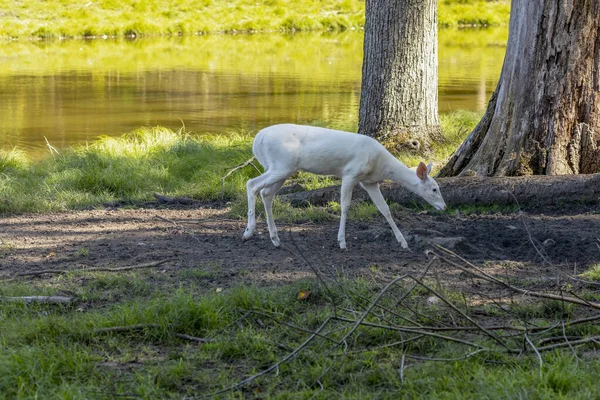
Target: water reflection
(71, 92)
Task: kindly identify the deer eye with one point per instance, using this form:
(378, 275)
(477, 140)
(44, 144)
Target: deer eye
(434, 190)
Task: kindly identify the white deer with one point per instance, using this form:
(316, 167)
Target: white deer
(356, 159)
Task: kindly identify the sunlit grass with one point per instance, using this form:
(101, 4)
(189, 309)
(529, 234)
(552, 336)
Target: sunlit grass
(151, 17)
(130, 168)
(473, 12)
(14, 158)
(593, 273)
(79, 18)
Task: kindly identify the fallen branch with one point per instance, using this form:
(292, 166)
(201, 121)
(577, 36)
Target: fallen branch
(422, 331)
(274, 366)
(487, 277)
(162, 199)
(39, 299)
(92, 269)
(193, 338)
(595, 339)
(137, 327)
(125, 328)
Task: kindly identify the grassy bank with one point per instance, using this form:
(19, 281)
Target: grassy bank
(129, 169)
(65, 352)
(55, 18)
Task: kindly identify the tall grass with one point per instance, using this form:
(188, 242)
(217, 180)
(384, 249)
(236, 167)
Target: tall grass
(130, 168)
(126, 169)
(56, 18)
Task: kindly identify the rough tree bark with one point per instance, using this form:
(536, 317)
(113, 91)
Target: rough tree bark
(399, 98)
(544, 117)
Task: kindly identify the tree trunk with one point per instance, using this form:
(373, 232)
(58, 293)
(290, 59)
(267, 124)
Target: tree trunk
(459, 191)
(398, 103)
(544, 117)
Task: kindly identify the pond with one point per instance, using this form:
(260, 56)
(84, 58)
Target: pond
(70, 92)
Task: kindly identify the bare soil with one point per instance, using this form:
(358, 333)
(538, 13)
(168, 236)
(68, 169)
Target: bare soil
(537, 242)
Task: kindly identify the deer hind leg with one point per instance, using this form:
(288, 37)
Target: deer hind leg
(268, 194)
(375, 194)
(253, 187)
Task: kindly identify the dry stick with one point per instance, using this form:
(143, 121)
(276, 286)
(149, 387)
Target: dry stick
(370, 308)
(126, 328)
(421, 275)
(93, 269)
(468, 355)
(274, 366)
(402, 369)
(558, 338)
(193, 338)
(169, 200)
(471, 320)
(314, 269)
(167, 220)
(248, 162)
(295, 326)
(539, 356)
(237, 321)
(571, 343)
(528, 231)
(182, 229)
(383, 346)
(39, 299)
(485, 276)
(417, 331)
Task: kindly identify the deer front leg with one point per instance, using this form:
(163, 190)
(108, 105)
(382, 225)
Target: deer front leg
(375, 194)
(345, 199)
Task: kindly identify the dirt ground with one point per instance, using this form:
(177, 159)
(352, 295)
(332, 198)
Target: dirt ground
(537, 242)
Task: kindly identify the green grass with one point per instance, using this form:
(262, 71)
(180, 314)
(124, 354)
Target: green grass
(56, 352)
(126, 169)
(593, 273)
(129, 169)
(78, 18)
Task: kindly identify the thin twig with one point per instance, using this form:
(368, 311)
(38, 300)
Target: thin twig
(126, 328)
(468, 355)
(417, 331)
(569, 343)
(359, 321)
(39, 299)
(486, 276)
(92, 269)
(51, 148)
(193, 338)
(464, 315)
(274, 366)
(537, 353)
(247, 162)
(296, 327)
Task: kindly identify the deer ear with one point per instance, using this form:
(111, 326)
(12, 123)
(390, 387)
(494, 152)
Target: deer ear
(422, 171)
(429, 168)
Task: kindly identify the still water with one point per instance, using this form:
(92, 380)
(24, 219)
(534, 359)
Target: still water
(70, 92)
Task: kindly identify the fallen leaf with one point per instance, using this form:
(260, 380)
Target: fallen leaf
(303, 294)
